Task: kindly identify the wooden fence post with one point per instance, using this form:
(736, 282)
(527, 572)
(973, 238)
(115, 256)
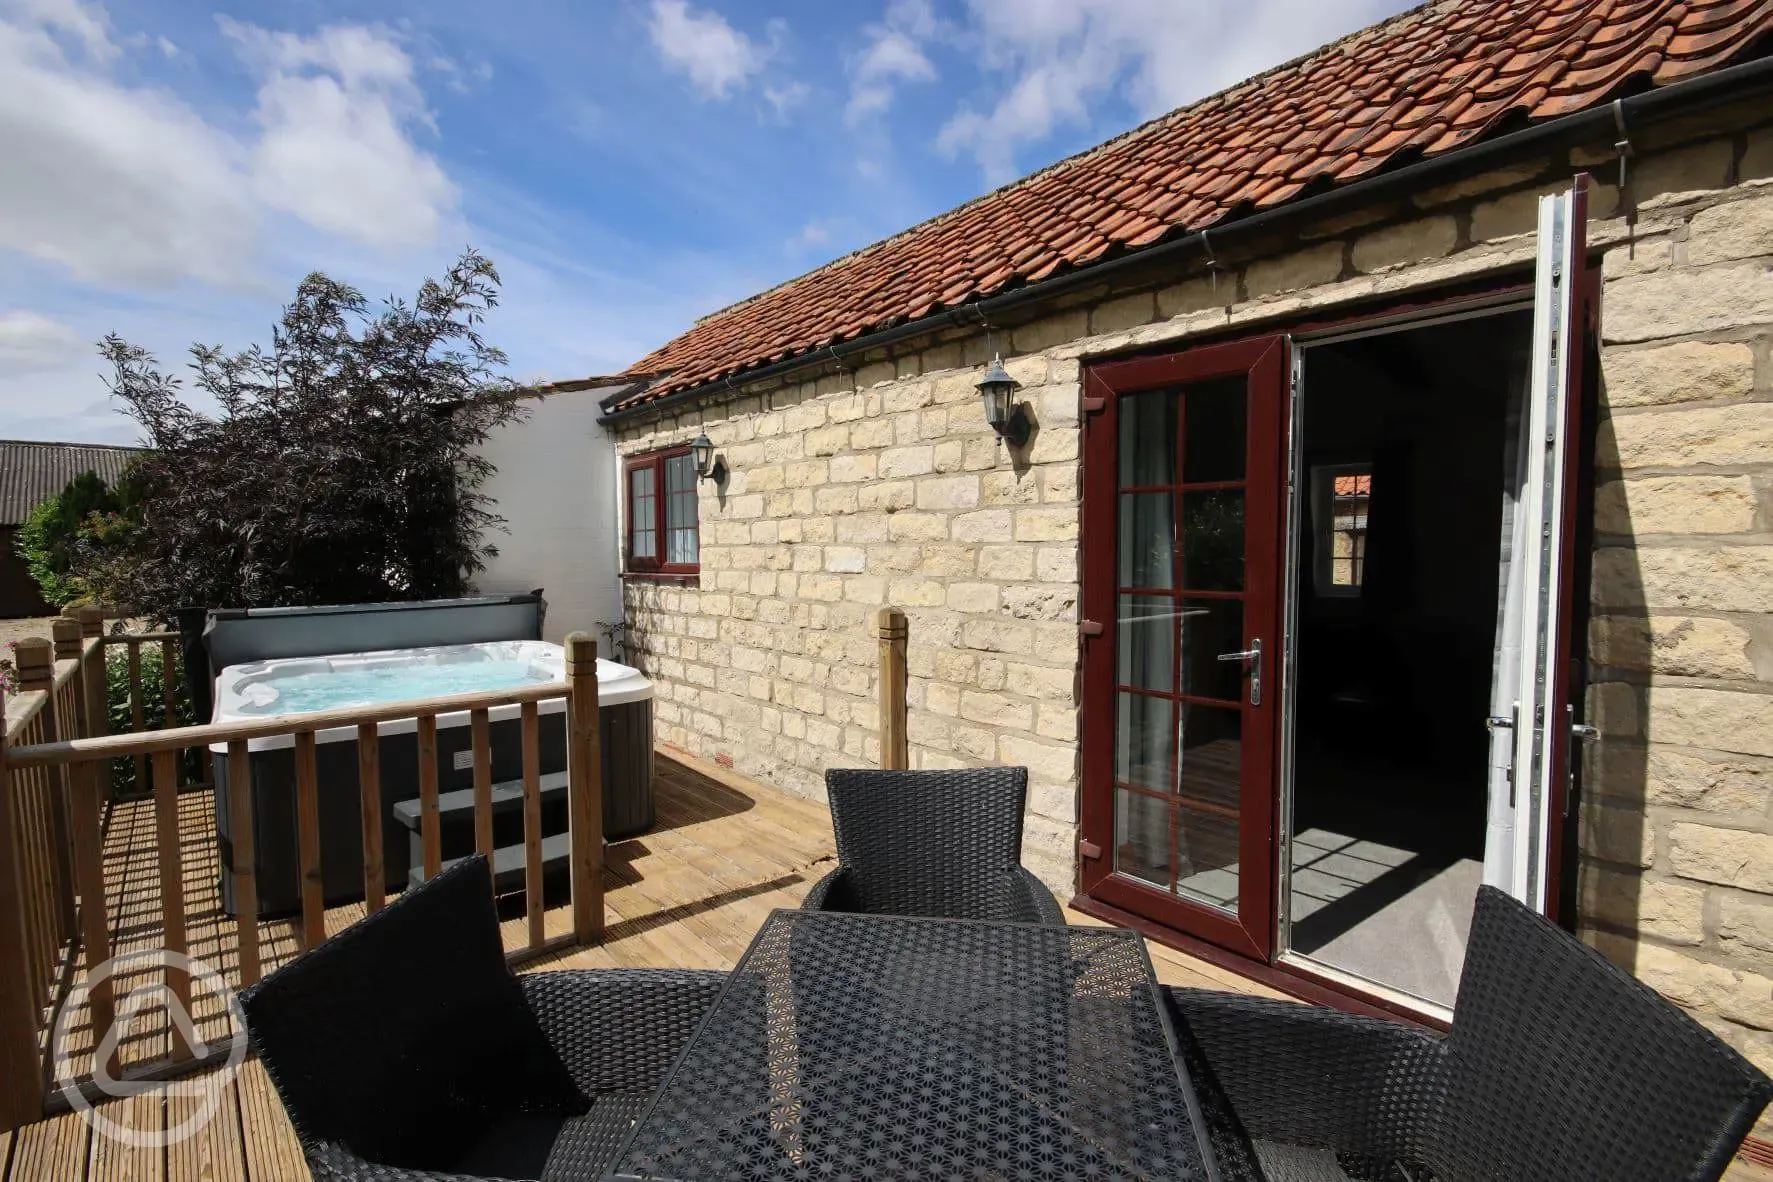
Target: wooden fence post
(66, 631)
(585, 786)
(98, 694)
(35, 660)
(890, 626)
(21, 1079)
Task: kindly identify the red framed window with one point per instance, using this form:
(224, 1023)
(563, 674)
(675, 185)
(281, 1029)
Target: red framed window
(664, 534)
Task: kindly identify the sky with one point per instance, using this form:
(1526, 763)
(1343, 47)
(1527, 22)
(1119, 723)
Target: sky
(169, 170)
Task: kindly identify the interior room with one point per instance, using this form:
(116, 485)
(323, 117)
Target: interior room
(1407, 460)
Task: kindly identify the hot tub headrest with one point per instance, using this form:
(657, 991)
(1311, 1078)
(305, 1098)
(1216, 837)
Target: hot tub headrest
(234, 636)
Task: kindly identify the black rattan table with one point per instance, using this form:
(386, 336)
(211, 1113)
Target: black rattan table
(850, 1046)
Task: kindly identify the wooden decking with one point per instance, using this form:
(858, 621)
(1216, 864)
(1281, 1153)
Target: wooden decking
(689, 893)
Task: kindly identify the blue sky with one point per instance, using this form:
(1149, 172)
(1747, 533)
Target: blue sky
(171, 169)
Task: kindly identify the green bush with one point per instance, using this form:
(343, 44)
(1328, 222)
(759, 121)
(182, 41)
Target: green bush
(86, 512)
(123, 780)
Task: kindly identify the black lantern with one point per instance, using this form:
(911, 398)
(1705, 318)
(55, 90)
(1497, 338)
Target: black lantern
(997, 393)
(703, 451)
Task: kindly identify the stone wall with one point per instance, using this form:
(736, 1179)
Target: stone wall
(1677, 872)
(884, 485)
(888, 490)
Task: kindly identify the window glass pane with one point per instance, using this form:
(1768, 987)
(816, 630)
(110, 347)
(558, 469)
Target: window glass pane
(1147, 539)
(1348, 536)
(1340, 500)
(642, 513)
(1211, 627)
(680, 510)
(1148, 438)
(680, 545)
(1145, 643)
(680, 474)
(1213, 540)
(1213, 436)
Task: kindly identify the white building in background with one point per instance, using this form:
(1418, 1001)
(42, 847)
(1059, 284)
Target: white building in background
(556, 487)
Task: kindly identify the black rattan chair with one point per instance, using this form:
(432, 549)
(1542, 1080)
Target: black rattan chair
(945, 843)
(1559, 1066)
(404, 1049)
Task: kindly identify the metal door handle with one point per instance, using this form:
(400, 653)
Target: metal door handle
(1252, 655)
(1507, 722)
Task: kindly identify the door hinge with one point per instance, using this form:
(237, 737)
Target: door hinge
(1089, 628)
(1092, 405)
(1090, 850)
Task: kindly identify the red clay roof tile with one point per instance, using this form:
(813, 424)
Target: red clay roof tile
(1424, 82)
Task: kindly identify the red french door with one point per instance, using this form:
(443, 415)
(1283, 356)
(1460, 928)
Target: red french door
(1183, 462)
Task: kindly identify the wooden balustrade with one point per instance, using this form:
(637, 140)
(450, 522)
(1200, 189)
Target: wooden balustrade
(43, 867)
(54, 755)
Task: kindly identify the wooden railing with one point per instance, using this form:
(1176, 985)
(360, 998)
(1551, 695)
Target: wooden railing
(53, 761)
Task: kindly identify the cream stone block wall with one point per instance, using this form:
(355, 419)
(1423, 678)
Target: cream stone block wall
(1677, 836)
(844, 497)
(882, 484)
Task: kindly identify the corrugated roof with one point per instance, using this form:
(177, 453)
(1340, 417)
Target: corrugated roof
(1427, 82)
(31, 472)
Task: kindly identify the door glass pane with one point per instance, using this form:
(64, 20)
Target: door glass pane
(1142, 837)
(1147, 539)
(642, 515)
(1211, 627)
(1148, 439)
(1213, 540)
(1186, 841)
(1145, 742)
(1206, 848)
(1145, 645)
(1213, 437)
(1208, 794)
(1212, 755)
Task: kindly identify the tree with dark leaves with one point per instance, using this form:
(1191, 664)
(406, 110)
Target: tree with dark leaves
(343, 465)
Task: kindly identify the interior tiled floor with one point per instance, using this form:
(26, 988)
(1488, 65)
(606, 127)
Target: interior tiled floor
(1383, 913)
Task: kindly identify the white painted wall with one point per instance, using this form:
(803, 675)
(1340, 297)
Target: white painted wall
(556, 488)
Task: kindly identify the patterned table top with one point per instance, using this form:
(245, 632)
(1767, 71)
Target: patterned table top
(884, 1046)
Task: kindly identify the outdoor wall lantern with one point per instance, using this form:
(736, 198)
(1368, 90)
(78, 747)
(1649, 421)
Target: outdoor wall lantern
(997, 392)
(707, 463)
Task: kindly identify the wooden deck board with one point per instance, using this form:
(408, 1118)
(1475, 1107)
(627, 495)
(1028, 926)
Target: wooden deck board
(688, 893)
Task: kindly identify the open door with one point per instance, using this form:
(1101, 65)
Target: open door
(1181, 595)
(1537, 689)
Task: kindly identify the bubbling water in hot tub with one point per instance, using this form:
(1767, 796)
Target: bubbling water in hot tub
(305, 693)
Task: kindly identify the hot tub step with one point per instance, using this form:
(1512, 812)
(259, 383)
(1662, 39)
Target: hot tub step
(508, 862)
(505, 797)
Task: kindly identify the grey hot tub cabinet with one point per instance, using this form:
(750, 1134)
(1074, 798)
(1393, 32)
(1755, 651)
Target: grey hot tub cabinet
(627, 799)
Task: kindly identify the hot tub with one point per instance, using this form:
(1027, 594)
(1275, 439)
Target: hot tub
(294, 686)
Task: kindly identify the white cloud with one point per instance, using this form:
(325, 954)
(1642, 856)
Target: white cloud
(112, 182)
(894, 54)
(123, 184)
(336, 110)
(786, 97)
(85, 23)
(716, 57)
(1063, 56)
(31, 343)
